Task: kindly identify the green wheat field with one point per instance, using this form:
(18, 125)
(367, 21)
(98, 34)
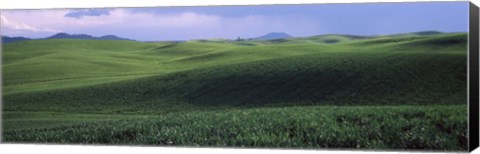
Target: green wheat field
(405, 91)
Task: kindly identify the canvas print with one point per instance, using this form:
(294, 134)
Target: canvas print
(374, 76)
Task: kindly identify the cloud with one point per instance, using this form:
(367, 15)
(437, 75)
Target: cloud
(87, 12)
(142, 19)
(5, 23)
(187, 19)
(147, 25)
(42, 23)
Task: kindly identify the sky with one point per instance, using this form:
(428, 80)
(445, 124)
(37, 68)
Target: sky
(230, 22)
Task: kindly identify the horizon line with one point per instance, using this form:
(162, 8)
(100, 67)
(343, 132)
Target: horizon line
(99, 36)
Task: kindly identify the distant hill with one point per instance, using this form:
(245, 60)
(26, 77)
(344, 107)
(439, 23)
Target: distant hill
(423, 33)
(7, 39)
(415, 34)
(70, 36)
(111, 37)
(85, 37)
(274, 35)
(334, 38)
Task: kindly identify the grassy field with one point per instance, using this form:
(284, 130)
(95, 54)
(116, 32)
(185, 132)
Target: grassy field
(334, 91)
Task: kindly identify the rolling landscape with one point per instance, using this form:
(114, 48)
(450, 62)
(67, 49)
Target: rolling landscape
(399, 91)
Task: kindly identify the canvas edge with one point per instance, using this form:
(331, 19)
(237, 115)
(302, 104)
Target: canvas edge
(473, 75)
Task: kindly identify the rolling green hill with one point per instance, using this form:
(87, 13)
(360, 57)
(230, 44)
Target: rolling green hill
(387, 71)
(106, 77)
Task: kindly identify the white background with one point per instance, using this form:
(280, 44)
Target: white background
(42, 148)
